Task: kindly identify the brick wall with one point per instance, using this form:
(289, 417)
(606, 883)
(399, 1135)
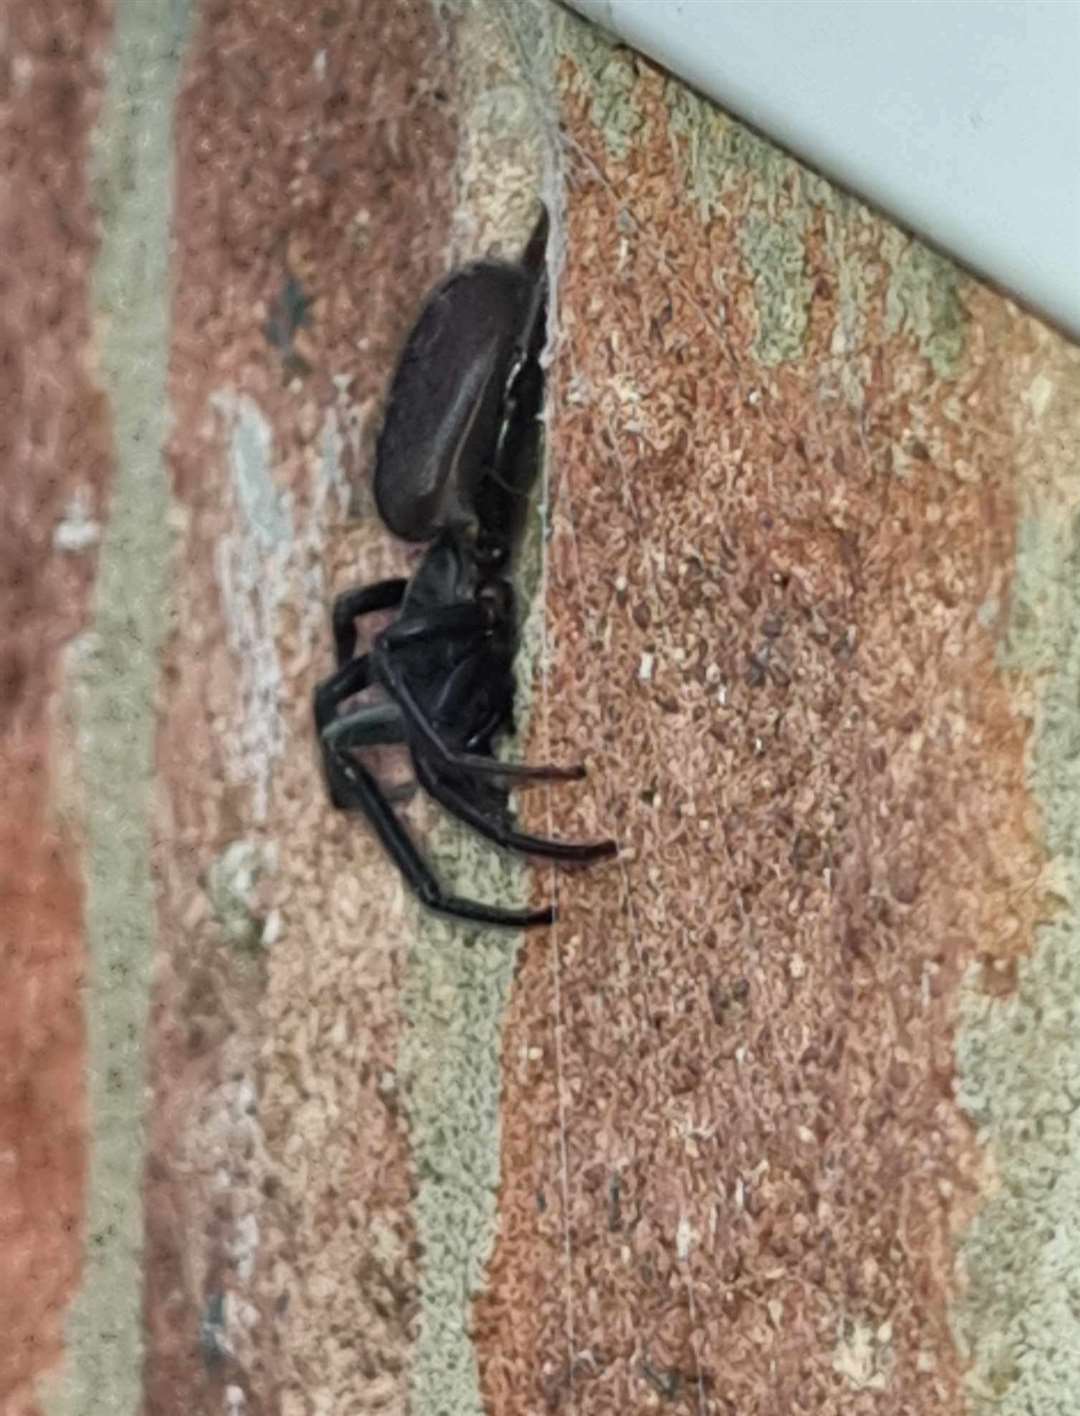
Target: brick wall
(777, 1118)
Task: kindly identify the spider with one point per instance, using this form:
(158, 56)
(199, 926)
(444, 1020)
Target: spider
(457, 455)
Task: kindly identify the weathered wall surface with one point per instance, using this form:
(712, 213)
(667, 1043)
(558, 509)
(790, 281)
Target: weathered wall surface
(790, 453)
(779, 1116)
(54, 476)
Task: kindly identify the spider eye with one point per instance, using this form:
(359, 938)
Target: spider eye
(496, 597)
(489, 551)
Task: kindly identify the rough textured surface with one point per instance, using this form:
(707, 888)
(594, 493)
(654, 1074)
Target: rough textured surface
(115, 674)
(457, 981)
(54, 465)
(312, 210)
(802, 595)
(785, 492)
(1019, 1054)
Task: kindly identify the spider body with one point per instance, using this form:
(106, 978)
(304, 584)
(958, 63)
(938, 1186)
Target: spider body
(457, 456)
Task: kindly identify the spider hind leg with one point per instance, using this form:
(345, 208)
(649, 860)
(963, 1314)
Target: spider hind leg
(358, 789)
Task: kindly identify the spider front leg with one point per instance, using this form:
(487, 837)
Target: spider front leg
(448, 795)
(376, 725)
(353, 604)
(351, 678)
(352, 787)
(433, 625)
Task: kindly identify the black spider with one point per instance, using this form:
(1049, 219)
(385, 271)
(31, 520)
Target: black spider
(457, 456)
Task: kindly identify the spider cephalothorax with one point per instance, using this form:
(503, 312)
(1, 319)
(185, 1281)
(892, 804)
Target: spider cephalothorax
(458, 453)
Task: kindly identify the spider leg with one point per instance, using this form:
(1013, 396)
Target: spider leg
(470, 762)
(365, 600)
(459, 805)
(484, 679)
(479, 690)
(377, 725)
(352, 677)
(391, 673)
(359, 789)
(461, 617)
(399, 792)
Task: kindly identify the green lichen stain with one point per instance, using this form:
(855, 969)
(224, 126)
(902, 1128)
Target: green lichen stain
(852, 235)
(607, 75)
(733, 173)
(454, 996)
(775, 252)
(115, 691)
(924, 299)
(231, 881)
(719, 155)
(458, 977)
(1019, 1058)
(455, 993)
